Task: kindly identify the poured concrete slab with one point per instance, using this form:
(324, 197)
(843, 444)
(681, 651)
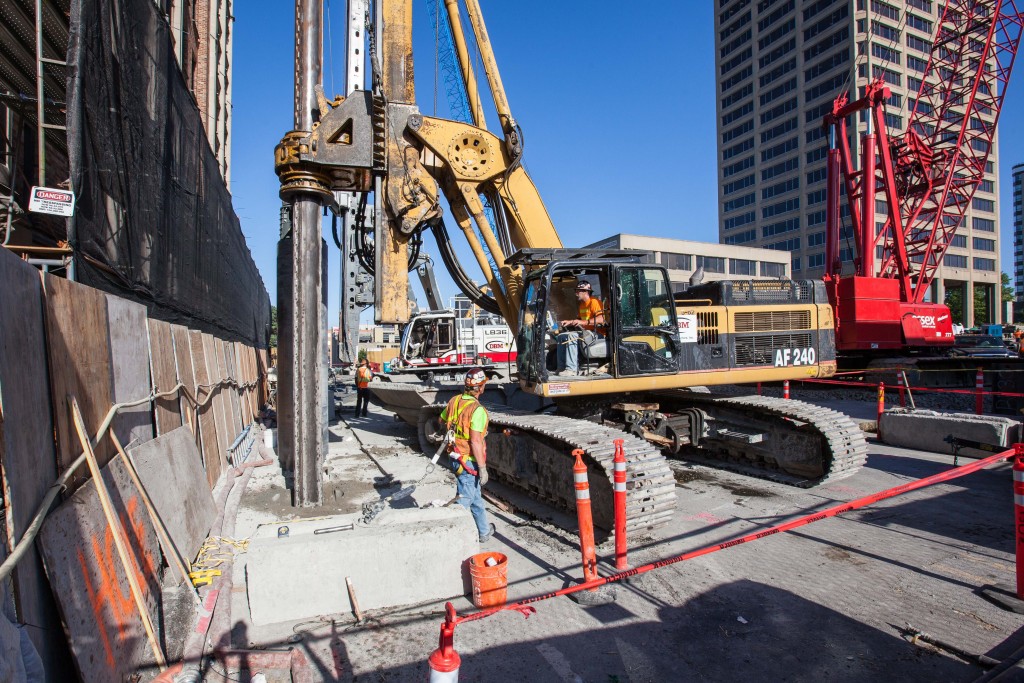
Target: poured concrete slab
(927, 430)
(404, 557)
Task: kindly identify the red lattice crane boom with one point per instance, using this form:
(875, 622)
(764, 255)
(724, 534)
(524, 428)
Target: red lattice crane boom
(926, 177)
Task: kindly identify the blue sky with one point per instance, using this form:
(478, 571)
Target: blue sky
(617, 108)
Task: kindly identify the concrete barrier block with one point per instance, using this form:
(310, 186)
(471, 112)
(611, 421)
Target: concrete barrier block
(927, 430)
(406, 556)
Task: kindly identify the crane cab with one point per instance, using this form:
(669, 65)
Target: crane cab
(652, 338)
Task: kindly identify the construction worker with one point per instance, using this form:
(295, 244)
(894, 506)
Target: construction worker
(589, 324)
(363, 377)
(468, 419)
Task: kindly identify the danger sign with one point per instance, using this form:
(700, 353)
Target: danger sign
(53, 201)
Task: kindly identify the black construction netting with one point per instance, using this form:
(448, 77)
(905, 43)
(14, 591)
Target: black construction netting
(154, 221)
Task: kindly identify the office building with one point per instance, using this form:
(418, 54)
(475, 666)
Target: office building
(779, 65)
(719, 261)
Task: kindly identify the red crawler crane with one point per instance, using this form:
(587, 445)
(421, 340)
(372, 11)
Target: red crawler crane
(927, 178)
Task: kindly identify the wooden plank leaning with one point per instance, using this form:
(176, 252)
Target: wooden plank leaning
(117, 532)
(165, 540)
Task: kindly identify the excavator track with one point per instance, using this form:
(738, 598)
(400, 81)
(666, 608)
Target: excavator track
(532, 453)
(802, 444)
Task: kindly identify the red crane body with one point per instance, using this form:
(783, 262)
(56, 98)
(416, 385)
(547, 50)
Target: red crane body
(926, 178)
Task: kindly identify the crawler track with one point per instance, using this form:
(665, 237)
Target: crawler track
(805, 445)
(531, 452)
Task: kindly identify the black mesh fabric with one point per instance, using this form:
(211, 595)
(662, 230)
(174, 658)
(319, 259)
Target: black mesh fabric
(154, 221)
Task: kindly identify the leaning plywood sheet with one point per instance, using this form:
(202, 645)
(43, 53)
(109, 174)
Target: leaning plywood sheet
(102, 623)
(28, 464)
(78, 347)
(129, 353)
(207, 411)
(172, 473)
(230, 391)
(167, 412)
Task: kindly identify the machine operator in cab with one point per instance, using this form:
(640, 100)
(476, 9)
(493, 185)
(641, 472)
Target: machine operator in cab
(468, 419)
(585, 328)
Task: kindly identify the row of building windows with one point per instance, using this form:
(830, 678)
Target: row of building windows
(777, 73)
(775, 15)
(736, 185)
(741, 237)
(739, 202)
(781, 188)
(778, 208)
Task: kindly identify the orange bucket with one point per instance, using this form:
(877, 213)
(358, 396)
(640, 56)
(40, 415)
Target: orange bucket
(490, 584)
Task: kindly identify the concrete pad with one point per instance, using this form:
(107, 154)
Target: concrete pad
(404, 557)
(927, 430)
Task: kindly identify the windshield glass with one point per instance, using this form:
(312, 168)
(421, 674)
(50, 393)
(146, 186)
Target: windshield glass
(983, 341)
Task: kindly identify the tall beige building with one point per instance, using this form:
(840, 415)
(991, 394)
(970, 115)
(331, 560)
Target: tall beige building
(779, 65)
(203, 33)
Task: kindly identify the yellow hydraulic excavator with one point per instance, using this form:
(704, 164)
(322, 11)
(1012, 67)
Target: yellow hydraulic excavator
(656, 346)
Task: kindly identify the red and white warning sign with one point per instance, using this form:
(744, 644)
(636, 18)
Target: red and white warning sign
(51, 200)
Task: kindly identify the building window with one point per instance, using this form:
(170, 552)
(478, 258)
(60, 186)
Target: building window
(737, 96)
(885, 31)
(738, 266)
(676, 261)
(817, 176)
(827, 87)
(925, 5)
(737, 113)
(711, 264)
(985, 224)
(739, 202)
(916, 63)
(816, 260)
(954, 261)
(741, 237)
(736, 185)
(959, 241)
(792, 244)
(739, 130)
(737, 221)
(816, 239)
(780, 168)
(984, 264)
(979, 204)
(982, 244)
(733, 169)
(780, 129)
(922, 25)
(816, 197)
(886, 10)
(781, 188)
(777, 73)
(775, 15)
(987, 186)
(817, 154)
(778, 110)
(919, 44)
(886, 54)
(784, 206)
(777, 53)
(827, 22)
(780, 227)
(769, 269)
(815, 218)
(794, 265)
(780, 149)
(776, 33)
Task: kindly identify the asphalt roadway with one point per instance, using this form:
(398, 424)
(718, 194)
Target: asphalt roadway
(826, 601)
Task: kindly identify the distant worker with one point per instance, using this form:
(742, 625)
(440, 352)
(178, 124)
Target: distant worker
(363, 377)
(589, 325)
(468, 419)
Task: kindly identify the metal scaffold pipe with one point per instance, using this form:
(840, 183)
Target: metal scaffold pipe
(304, 383)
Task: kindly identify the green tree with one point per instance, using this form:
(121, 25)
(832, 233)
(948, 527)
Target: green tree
(1006, 288)
(273, 327)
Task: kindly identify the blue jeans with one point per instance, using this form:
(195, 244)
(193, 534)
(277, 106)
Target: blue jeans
(569, 351)
(470, 497)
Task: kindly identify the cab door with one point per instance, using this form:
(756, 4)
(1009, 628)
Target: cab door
(644, 327)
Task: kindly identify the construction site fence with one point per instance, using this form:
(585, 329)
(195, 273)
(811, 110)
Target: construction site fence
(445, 659)
(134, 377)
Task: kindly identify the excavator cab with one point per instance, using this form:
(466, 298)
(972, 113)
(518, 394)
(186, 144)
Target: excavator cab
(637, 335)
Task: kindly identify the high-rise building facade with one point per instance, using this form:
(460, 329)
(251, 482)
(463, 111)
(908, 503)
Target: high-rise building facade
(1018, 235)
(779, 66)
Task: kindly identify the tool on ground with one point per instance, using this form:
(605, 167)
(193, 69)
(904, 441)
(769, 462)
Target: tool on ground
(371, 510)
(203, 577)
(444, 447)
(332, 529)
(170, 550)
(352, 596)
(117, 531)
(915, 635)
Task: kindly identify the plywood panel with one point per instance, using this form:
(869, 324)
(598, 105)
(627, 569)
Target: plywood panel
(102, 623)
(207, 411)
(28, 464)
(129, 353)
(234, 405)
(214, 363)
(186, 375)
(223, 394)
(167, 411)
(172, 473)
(78, 349)
(235, 348)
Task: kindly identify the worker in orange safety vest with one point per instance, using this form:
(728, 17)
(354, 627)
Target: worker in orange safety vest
(363, 377)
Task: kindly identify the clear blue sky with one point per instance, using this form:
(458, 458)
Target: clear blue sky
(617, 104)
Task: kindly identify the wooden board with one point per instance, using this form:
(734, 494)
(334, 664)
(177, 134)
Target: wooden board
(207, 412)
(129, 353)
(214, 366)
(186, 375)
(264, 393)
(166, 411)
(28, 465)
(173, 475)
(78, 349)
(105, 630)
(234, 405)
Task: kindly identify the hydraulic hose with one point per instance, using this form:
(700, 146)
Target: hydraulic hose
(462, 281)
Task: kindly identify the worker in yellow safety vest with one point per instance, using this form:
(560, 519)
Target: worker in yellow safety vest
(363, 377)
(467, 419)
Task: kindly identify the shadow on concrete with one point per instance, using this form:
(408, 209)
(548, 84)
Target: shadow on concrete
(744, 630)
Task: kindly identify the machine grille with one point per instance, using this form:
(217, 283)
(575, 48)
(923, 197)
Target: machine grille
(760, 349)
(778, 291)
(772, 321)
(707, 327)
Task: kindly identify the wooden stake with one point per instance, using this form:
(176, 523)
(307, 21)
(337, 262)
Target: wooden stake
(352, 596)
(165, 539)
(117, 532)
